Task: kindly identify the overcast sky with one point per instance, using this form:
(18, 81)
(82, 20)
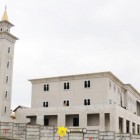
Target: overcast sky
(64, 37)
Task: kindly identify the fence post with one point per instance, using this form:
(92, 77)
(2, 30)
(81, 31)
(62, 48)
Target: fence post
(26, 132)
(39, 132)
(98, 134)
(53, 133)
(68, 135)
(12, 129)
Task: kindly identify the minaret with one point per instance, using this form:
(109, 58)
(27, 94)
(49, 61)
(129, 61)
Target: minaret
(7, 41)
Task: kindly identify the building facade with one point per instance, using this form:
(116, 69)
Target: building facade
(7, 41)
(98, 101)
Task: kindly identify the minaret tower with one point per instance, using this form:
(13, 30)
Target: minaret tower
(7, 41)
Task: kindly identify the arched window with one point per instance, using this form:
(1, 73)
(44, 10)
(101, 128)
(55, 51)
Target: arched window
(67, 103)
(85, 102)
(87, 84)
(6, 94)
(45, 104)
(8, 49)
(88, 101)
(7, 64)
(46, 87)
(5, 109)
(66, 85)
(64, 103)
(6, 79)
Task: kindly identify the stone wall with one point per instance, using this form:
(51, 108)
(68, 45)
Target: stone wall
(21, 131)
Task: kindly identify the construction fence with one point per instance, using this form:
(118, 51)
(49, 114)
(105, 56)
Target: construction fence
(20, 131)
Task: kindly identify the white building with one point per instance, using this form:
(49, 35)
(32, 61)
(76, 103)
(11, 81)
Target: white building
(98, 101)
(7, 41)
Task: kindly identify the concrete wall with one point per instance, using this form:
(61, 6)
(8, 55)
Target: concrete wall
(37, 132)
(76, 94)
(104, 88)
(6, 42)
(108, 116)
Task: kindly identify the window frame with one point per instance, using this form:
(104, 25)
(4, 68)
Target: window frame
(45, 104)
(66, 86)
(46, 87)
(66, 103)
(9, 49)
(87, 102)
(87, 84)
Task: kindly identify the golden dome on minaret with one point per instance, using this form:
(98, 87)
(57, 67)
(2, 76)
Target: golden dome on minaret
(5, 16)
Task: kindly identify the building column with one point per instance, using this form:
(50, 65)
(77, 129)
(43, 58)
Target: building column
(83, 120)
(40, 119)
(130, 127)
(61, 120)
(124, 125)
(114, 122)
(136, 128)
(102, 121)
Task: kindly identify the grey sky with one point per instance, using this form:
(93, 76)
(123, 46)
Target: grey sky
(64, 37)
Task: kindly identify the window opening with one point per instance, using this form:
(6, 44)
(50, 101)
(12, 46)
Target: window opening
(6, 94)
(67, 85)
(45, 104)
(6, 79)
(8, 49)
(46, 121)
(46, 87)
(66, 103)
(87, 102)
(75, 121)
(5, 109)
(87, 84)
(7, 64)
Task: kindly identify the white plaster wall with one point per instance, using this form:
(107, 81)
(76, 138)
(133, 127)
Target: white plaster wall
(131, 101)
(114, 92)
(76, 94)
(115, 112)
(99, 93)
(4, 71)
